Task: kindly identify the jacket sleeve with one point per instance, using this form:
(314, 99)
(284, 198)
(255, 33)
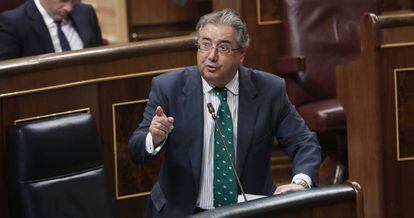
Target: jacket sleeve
(297, 140)
(136, 143)
(97, 30)
(10, 46)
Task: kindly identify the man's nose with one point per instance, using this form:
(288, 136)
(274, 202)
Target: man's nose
(68, 7)
(213, 54)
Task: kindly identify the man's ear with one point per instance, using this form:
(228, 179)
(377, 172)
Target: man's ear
(242, 54)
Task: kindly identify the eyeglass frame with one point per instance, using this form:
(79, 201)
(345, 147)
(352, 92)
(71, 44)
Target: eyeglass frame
(230, 51)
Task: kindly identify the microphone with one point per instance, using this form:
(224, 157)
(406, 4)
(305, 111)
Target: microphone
(213, 115)
(211, 111)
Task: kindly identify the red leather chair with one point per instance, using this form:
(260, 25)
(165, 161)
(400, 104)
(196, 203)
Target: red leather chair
(326, 32)
(9, 4)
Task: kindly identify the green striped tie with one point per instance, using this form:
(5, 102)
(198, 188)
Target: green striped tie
(224, 186)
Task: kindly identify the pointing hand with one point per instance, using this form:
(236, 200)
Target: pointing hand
(161, 126)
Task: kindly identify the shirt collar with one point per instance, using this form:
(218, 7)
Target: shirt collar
(232, 86)
(46, 17)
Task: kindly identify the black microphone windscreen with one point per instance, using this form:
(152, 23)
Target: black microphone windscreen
(210, 108)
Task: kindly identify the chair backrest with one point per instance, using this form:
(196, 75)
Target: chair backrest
(10, 4)
(54, 168)
(326, 32)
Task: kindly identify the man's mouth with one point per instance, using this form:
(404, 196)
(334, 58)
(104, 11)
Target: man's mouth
(211, 67)
(63, 14)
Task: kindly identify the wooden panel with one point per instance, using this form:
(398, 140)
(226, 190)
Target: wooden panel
(404, 93)
(112, 19)
(88, 72)
(265, 40)
(367, 90)
(305, 213)
(357, 82)
(43, 103)
(394, 5)
(269, 12)
(397, 35)
(222, 4)
(405, 190)
(141, 12)
(3, 200)
(394, 173)
(121, 113)
(96, 63)
(95, 78)
(169, 20)
(131, 180)
(338, 210)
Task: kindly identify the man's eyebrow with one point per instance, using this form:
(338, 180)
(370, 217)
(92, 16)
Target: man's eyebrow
(220, 42)
(205, 38)
(225, 41)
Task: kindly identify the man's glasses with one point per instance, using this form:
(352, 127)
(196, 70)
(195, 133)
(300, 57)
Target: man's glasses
(222, 48)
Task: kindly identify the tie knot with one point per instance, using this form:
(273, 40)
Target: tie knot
(221, 93)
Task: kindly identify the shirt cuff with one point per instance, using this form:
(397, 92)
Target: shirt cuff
(149, 146)
(303, 177)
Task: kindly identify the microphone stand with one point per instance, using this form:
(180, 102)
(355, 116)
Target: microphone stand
(213, 115)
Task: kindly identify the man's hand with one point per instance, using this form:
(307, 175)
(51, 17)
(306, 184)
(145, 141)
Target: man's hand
(160, 127)
(288, 188)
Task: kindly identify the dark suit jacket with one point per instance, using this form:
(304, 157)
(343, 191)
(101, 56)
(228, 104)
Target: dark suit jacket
(24, 33)
(264, 111)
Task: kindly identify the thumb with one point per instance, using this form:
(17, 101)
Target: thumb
(159, 112)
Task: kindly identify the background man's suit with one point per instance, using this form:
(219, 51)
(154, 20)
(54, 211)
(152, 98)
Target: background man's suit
(24, 33)
(264, 112)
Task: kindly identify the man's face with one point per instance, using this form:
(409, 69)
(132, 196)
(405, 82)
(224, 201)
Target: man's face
(218, 68)
(58, 9)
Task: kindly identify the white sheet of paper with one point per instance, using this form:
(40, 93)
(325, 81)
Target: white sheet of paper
(249, 197)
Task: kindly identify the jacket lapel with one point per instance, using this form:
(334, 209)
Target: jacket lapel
(248, 106)
(193, 108)
(38, 24)
(193, 113)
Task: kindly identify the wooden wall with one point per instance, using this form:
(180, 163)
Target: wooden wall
(112, 16)
(115, 16)
(129, 74)
(263, 19)
(377, 94)
(113, 83)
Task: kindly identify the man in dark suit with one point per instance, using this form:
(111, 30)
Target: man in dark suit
(45, 26)
(252, 108)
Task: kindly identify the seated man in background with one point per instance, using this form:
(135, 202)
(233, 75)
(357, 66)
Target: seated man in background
(252, 108)
(46, 26)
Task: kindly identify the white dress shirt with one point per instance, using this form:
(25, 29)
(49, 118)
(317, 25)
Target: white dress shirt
(68, 29)
(205, 196)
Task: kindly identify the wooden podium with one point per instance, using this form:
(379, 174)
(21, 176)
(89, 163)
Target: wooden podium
(377, 93)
